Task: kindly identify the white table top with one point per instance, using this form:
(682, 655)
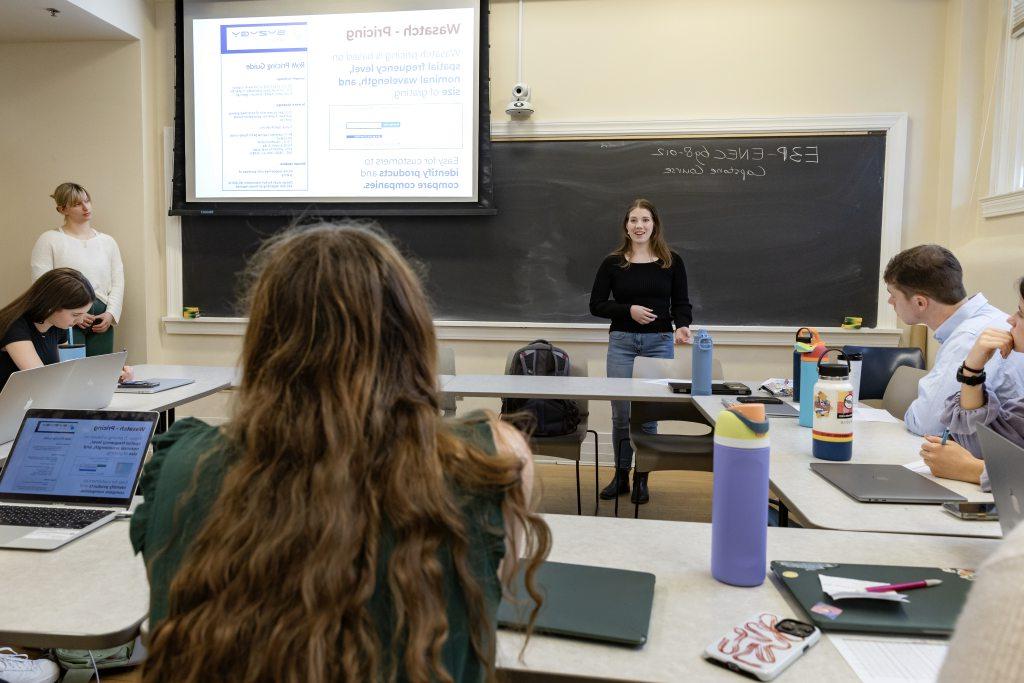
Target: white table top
(580, 388)
(824, 506)
(93, 593)
(90, 593)
(209, 379)
(691, 609)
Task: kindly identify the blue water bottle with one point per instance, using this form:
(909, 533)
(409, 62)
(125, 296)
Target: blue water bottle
(739, 503)
(701, 370)
(808, 376)
(806, 339)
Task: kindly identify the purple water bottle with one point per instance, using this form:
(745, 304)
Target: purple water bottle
(739, 504)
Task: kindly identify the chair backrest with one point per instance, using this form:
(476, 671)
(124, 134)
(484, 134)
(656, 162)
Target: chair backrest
(446, 366)
(679, 367)
(902, 390)
(880, 362)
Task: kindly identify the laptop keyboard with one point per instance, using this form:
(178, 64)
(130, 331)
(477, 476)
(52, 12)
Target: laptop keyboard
(49, 517)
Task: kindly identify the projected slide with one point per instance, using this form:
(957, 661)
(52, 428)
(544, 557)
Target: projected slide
(344, 107)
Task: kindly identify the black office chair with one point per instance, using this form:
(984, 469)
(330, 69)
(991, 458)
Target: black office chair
(880, 362)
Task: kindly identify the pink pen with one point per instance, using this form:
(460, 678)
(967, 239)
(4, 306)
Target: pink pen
(910, 585)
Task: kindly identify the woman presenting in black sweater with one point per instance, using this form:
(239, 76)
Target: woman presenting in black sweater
(641, 286)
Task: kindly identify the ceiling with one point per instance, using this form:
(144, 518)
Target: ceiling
(27, 21)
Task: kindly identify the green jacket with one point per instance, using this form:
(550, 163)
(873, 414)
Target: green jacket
(164, 541)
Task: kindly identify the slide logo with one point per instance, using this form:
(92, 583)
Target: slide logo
(285, 37)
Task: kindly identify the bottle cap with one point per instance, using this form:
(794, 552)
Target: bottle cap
(833, 370)
(743, 426)
(807, 341)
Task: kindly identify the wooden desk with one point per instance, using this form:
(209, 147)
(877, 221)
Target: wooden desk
(93, 593)
(823, 506)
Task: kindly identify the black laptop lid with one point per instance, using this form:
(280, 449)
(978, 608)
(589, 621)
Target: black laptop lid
(576, 603)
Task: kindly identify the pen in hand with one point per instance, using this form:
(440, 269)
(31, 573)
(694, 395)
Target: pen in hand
(945, 436)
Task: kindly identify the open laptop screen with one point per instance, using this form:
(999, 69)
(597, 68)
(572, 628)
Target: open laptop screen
(77, 456)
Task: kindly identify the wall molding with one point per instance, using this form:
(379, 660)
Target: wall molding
(585, 333)
(1003, 204)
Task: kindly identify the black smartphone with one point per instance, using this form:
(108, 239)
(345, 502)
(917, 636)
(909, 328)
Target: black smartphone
(138, 384)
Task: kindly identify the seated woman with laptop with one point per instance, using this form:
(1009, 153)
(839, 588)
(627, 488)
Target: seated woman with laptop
(336, 528)
(35, 323)
(975, 404)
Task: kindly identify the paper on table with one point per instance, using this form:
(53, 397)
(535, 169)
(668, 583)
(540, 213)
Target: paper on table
(891, 660)
(839, 588)
(865, 413)
(919, 466)
(664, 382)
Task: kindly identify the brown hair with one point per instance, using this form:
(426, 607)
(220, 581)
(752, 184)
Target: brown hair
(69, 194)
(659, 247)
(60, 288)
(928, 270)
(341, 460)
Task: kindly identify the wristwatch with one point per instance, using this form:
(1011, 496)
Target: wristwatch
(970, 380)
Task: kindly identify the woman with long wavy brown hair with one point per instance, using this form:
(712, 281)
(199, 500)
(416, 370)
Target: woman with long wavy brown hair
(336, 528)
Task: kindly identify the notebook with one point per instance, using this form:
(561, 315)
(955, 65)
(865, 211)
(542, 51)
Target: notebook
(929, 611)
(576, 600)
(69, 472)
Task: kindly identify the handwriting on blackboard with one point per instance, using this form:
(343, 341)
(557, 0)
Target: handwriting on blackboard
(704, 159)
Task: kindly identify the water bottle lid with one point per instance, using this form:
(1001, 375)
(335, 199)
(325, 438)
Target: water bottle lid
(833, 370)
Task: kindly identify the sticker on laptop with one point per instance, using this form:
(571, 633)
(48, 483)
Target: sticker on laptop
(807, 566)
(827, 610)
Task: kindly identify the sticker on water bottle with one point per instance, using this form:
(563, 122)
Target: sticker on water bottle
(822, 406)
(844, 410)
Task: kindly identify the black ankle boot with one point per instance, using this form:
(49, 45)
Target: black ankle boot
(617, 486)
(640, 494)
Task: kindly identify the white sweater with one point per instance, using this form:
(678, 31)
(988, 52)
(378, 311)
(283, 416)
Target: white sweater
(97, 258)
(988, 642)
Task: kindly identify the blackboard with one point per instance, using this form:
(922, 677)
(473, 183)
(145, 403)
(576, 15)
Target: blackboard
(772, 230)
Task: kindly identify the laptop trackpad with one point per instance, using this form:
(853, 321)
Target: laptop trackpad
(10, 533)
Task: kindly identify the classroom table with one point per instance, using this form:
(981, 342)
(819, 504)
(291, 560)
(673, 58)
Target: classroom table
(823, 506)
(93, 593)
(579, 388)
(208, 380)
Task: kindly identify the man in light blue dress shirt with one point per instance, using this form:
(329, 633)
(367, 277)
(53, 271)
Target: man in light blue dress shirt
(925, 285)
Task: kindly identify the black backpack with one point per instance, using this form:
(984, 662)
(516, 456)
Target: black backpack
(550, 417)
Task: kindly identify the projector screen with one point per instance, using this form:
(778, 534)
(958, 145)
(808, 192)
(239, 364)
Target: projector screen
(313, 101)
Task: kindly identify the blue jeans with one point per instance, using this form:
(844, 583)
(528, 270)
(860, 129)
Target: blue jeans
(623, 347)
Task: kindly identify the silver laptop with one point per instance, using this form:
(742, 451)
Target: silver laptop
(79, 384)
(884, 483)
(69, 472)
(1004, 461)
(152, 386)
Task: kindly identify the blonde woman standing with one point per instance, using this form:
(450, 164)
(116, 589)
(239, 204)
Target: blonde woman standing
(77, 244)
